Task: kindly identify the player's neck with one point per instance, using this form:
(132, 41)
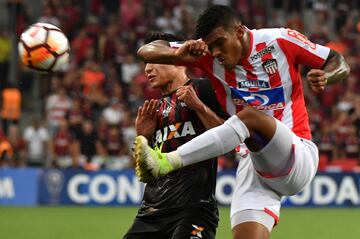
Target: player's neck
(245, 42)
(174, 84)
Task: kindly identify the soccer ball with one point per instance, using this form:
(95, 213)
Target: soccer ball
(44, 47)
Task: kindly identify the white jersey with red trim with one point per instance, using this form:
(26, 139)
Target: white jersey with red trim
(268, 79)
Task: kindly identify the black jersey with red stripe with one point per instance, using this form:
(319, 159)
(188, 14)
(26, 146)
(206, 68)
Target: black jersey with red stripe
(176, 125)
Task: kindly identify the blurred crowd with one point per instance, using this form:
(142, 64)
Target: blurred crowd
(87, 113)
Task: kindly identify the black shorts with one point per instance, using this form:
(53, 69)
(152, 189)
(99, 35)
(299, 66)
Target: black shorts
(198, 222)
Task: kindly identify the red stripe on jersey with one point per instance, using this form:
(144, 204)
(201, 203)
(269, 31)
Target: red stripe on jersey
(300, 116)
(230, 78)
(172, 114)
(219, 91)
(273, 215)
(274, 79)
(301, 55)
(250, 75)
(206, 64)
(249, 69)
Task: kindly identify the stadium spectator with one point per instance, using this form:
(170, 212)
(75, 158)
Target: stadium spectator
(18, 145)
(37, 143)
(129, 69)
(115, 154)
(5, 48)
(326, 141)
(88, 146)
(49, 16)
(352, 145)
(62, 147)
(80, 44)
(6, 151)
(57, 106)
(11, 107)
(75, 116)
(114, 113)
(168, 23)
(92, 78)
(128, 129)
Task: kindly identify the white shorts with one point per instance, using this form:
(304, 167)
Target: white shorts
(257, 190)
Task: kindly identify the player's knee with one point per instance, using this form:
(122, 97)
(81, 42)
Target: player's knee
(255, 119)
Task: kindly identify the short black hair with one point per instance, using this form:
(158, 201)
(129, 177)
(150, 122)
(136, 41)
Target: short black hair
(153, 36)
(213, 17)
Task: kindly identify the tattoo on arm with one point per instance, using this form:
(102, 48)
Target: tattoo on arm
(336, 69)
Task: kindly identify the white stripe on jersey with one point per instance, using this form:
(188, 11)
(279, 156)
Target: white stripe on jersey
(287, 117)
(219, 73)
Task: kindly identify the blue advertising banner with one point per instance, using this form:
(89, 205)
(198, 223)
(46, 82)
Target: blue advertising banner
(90, 188)
(122, 188)
(19, 187)
(328, 190)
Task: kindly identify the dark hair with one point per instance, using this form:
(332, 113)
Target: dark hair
(153, 36)
(213, 17)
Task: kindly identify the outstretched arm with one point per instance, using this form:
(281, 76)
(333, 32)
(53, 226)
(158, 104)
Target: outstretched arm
(335, 69)
(161, 52)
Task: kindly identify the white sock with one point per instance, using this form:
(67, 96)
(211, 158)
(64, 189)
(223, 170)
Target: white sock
(212, 143)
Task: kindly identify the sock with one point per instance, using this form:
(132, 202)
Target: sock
(210, 144)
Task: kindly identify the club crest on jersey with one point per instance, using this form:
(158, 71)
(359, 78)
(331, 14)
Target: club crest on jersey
(166, 111)
(270, 66)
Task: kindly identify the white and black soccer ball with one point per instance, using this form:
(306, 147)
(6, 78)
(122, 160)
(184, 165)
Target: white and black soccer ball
(44, 47)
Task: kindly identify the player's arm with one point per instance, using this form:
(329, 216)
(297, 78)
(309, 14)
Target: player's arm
(204, 103)
(335, 69)
(161, 52)
(327, 66)
(208, 117)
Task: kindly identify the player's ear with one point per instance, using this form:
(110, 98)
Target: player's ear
(239, 29)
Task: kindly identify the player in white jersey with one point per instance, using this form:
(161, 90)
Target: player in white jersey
(255, 74)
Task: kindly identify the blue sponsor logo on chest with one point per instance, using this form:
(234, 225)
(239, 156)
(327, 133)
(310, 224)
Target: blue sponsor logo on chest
(271, 99)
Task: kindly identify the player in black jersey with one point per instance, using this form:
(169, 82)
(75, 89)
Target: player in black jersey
(181, 204)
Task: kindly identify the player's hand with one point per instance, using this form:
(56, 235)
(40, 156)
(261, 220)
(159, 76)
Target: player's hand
(191, 50)
(317, 79)
(188, 95)
(145, 122)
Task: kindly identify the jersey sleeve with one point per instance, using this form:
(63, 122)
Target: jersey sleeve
(207, 96)
(301, 50)
(201, 62)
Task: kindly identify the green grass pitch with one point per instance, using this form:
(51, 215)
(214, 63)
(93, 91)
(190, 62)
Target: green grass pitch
(112, 223)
